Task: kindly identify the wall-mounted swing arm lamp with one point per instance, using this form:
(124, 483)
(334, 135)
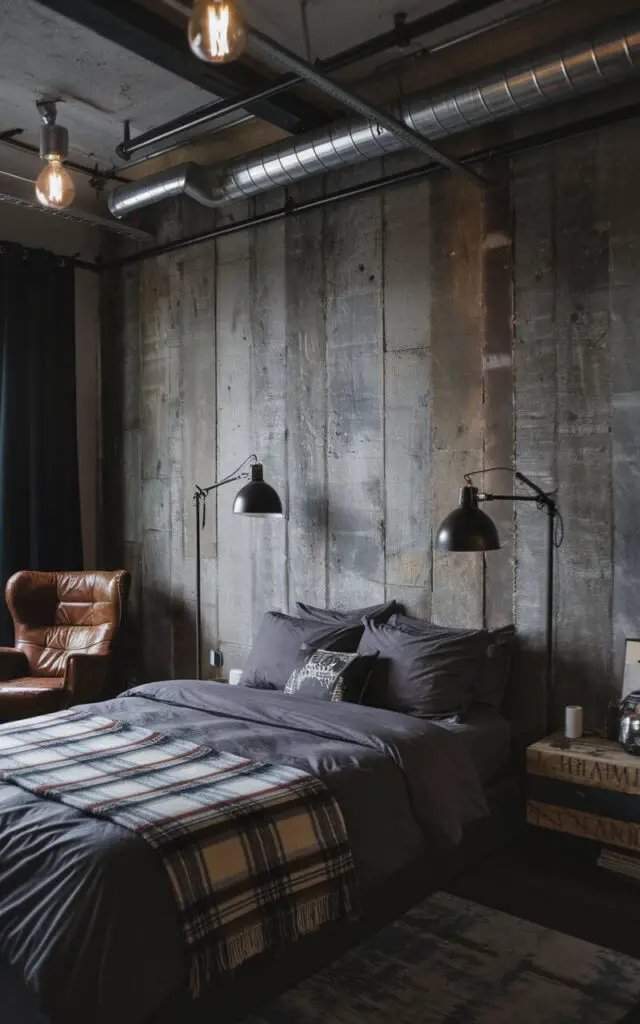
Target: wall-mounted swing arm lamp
(257, 498)
(468, 528)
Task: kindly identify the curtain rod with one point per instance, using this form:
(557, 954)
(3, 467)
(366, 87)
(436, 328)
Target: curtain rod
(514, 147)
(75, 261)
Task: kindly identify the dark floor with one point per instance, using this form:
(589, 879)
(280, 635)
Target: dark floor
(553, 880)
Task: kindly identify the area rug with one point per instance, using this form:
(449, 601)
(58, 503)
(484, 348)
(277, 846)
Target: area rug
(450, 961)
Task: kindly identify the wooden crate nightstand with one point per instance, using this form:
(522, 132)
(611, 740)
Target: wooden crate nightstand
(590, 789)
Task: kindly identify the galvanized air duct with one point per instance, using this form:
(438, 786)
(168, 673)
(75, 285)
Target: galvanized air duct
(611, 56)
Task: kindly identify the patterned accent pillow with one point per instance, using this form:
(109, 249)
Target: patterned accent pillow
(330, 675)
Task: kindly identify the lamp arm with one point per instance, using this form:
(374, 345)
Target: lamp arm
(201, 492)
(508, 497)
(236, 474)
(544, 500)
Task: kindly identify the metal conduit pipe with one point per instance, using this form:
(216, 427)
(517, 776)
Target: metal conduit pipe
(401, 35)
(609, 57)
(405, 134)
(209, 118)
(194, 140)
(501, 151)
(200, 117)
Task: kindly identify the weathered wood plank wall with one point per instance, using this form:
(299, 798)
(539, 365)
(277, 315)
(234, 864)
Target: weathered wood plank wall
(371, 353)
(407, 396)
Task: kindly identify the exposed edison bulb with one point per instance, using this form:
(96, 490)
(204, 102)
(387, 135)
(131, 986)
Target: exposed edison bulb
(217, 32)
(54, 185)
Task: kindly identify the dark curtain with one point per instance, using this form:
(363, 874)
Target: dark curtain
(39, 493)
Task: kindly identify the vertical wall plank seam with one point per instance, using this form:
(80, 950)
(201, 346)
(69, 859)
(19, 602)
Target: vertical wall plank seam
(287, 581)
(324, 320)
(604, 143)
(483, 372)
(510, 177)
(383, 283)
(141, 667)
(431, 435)
(556, 433)
(214, 504)
(99, 483)
(255, 329)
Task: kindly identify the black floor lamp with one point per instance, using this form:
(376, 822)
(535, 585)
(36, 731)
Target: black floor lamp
(256, 498)
(468, 528)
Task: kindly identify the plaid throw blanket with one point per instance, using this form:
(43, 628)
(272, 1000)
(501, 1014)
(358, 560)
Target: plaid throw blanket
(256, 854)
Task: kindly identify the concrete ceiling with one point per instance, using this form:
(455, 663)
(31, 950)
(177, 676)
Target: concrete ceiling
(336, 25)
(102, 85)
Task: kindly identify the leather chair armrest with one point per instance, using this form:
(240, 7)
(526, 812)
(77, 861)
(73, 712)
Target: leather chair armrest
(85, 677)
(13, 664)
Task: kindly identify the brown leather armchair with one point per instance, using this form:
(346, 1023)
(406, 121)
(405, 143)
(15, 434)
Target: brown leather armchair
(65, 627)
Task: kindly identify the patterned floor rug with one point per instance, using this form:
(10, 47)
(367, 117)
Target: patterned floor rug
(450, 961)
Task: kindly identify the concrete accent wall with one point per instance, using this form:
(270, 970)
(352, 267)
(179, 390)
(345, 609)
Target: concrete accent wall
(372, 353)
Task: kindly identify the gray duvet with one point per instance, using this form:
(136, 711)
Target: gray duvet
(86, 913)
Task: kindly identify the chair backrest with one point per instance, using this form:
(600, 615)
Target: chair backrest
(59, 613)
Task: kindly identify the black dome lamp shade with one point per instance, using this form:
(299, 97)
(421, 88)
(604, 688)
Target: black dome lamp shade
(467, 528)
(258, 498)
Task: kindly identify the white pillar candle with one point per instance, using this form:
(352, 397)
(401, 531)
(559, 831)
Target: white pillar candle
(235, 674)
(573, 722)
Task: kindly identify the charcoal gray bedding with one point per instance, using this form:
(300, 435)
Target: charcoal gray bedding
(86, 915)
(489, 739)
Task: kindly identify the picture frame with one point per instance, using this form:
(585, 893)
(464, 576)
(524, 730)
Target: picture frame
(631, 674)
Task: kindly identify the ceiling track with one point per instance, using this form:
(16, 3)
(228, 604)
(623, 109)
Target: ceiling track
(75, 215)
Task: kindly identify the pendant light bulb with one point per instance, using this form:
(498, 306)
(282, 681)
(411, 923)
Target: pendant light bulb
(217, 32)
(54, 186)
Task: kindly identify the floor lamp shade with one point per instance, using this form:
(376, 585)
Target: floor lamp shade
(258, 498)
(467, 528)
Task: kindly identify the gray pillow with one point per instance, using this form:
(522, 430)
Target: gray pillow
(493, 671)
(421, 674)
(377, 612)
(274, 653)
(330, 675)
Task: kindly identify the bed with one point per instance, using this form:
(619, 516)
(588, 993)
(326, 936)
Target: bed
(87, 926)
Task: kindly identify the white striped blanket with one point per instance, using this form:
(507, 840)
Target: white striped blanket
(256, 854)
